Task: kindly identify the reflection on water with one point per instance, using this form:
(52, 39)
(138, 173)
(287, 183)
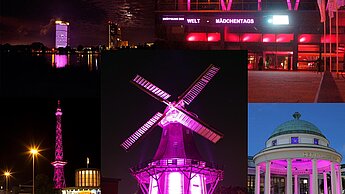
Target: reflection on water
(59, 61)
(89, 60)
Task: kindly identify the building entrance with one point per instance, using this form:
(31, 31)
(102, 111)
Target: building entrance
(281, 60)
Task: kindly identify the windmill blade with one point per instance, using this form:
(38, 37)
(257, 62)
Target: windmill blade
(151, 89)
(199, 84)
(199, 126)
(142, 131)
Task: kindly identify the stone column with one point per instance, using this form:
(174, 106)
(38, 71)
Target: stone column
(268, 178)
(340, 180)
(315, 179)
(257, 179)
(333, 179)
(339, 185)
(296, 184)
(325, 188)
(311, 183)
(289, 177)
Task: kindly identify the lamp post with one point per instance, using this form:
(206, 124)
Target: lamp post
(7, 175)
(34, 152)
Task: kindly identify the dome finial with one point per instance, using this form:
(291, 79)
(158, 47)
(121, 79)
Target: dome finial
(296, 115)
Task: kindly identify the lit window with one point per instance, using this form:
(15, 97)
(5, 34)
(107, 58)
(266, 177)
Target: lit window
(294, 140)
(316, 141)
(274, 142)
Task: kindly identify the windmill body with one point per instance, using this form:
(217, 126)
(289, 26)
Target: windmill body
(177, 166)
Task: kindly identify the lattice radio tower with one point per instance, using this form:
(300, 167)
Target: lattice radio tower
(59, 178)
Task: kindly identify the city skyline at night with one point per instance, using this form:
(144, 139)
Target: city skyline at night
(21, 25)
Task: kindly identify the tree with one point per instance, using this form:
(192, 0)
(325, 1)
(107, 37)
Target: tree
(43, 184)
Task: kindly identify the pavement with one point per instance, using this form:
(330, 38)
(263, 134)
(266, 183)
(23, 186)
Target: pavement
(295, 87)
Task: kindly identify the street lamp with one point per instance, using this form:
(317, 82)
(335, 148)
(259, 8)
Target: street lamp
(7, 176)
(33, 151)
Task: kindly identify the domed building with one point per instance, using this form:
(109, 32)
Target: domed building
(297, 159)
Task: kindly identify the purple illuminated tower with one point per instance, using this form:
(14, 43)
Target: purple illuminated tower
(59, 178)
(61, 34)
(177, 167)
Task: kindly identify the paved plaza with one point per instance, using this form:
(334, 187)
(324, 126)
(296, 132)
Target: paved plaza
(295, 86)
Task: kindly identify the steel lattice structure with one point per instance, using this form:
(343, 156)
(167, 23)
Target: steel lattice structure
(59, 178)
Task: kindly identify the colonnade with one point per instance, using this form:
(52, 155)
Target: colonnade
(336, 186)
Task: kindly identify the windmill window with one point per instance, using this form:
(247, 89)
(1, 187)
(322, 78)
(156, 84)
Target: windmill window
(316, 141)
(274, 142)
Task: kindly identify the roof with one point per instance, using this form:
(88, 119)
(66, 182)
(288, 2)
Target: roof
(297, 126)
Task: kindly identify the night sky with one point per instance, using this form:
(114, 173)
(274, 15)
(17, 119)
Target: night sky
(27, 21)
(32, 121)
(222, 104)
(264, 118)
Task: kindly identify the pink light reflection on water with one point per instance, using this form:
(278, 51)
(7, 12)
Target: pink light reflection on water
(59, 61)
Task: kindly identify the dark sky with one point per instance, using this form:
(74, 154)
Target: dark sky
(32, 121)
(222, 104)
(264, 118)
(27, 21)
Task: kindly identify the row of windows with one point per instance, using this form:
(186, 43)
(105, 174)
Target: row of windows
(295, 140)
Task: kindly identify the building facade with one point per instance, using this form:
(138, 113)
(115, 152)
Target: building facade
(297, 159)
(114, 35)
(287, 35)
(87, 181)
(61, 35)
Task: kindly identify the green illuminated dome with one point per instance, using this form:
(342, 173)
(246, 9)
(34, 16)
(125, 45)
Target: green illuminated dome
(297, 126)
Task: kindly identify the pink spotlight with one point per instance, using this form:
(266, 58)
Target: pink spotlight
(191, 38)
(302, 39)
(196, 36)
(213, 37)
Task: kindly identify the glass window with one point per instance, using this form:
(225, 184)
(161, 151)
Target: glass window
(274, 142)
(294, 140)
(316, 141)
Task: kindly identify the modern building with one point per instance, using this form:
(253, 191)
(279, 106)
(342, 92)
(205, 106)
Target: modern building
(87, 181)
(297, 159)
(114, 35)
(288, 35)
(61, 35)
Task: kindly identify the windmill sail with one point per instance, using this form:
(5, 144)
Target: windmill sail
(150, 89)
(198, 126)
(199, 84)
(142, 130)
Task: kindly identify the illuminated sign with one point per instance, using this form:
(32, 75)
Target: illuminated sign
(234, 21)
(181, 19)
(173, 18)
(279, 20)
(193, 21)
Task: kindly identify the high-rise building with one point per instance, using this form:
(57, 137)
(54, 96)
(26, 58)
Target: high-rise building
(61, 37)
(114, 35)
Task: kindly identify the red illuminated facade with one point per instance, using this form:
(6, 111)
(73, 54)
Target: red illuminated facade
(288, 35)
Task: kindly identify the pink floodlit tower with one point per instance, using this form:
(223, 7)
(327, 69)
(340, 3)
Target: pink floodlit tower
(59, 178)
(177, 167)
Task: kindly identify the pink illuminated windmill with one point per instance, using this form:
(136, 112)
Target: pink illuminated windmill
(177, 167)
(59, 178)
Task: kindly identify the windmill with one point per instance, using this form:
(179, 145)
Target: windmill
(177, 166)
